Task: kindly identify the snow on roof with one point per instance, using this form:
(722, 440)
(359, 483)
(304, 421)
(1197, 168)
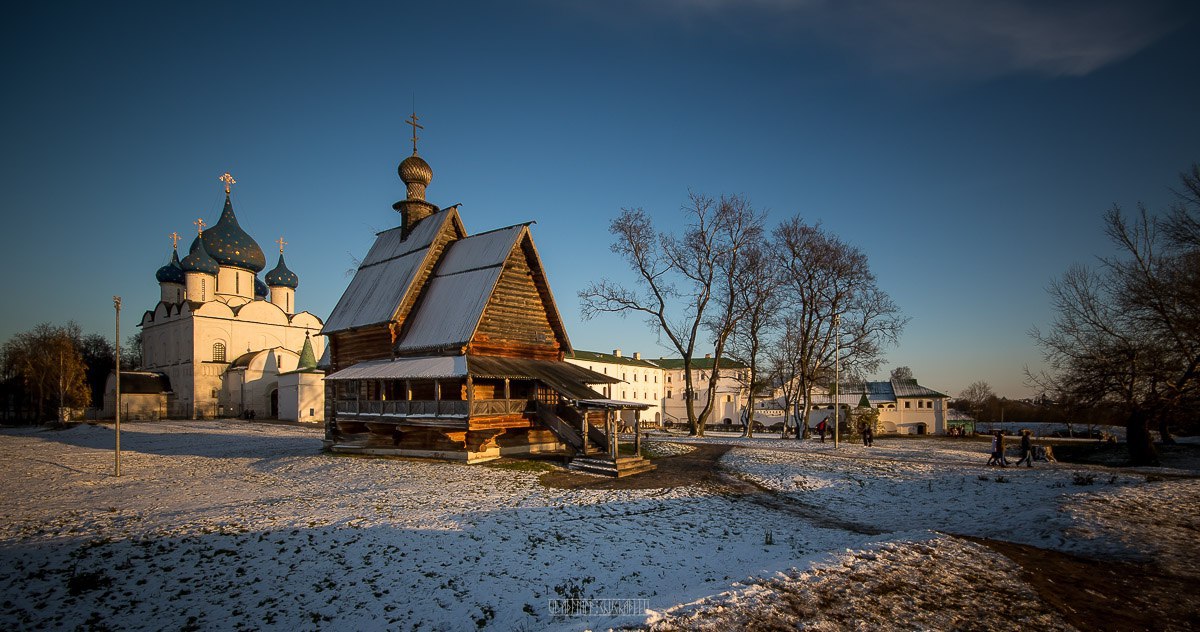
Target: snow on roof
(568, 379)
(910, 388)
(383, 279)
(480, 251)
(451, 308)
(878, 392)
(144, 382)
(616, 404)
(405, 369)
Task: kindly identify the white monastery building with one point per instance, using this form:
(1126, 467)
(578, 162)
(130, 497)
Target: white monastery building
(905, 407)
(221, 341)
(641, 382)
(659, 384)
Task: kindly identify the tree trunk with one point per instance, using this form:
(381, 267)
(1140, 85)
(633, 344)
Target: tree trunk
(749, 430)
(1137, 437)
(1164, 431)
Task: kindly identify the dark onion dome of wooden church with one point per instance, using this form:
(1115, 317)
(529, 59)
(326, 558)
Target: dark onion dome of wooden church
(260, 289)
(282, 276)
(198, 259)
(172, 272)
(232, 246)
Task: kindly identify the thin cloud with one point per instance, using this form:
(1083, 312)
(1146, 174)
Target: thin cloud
(976, 39)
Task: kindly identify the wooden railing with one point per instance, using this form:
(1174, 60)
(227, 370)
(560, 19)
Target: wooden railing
(560, 428)
(431, 408)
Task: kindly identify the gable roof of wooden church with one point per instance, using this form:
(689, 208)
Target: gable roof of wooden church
(386, 276)
(463, 292)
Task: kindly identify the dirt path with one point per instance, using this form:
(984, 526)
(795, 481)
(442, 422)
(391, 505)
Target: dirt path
(1096, 594)
(702, 468)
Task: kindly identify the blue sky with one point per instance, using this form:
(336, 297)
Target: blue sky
(969, 148)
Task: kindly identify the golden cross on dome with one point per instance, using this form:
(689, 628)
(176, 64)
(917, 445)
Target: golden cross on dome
(281, 243)
(228, 180)
(200, 226)
(174, 239)
(412, 120)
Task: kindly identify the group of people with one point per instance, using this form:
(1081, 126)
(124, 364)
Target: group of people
(998, 457)
(867, 432)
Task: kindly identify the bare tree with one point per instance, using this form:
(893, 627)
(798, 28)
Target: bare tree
(976, 395)
(1127, 332)
(785, 359)
(825, 279)
(758, 300)
(686, 283)
(902, 373)
(50, 365)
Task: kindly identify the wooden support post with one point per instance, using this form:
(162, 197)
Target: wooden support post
(637, 433)
(437, 397)
(583, 431)
(470, 396)
(613, 448)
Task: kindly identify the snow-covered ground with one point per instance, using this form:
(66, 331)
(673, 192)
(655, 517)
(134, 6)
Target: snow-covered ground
(237, 525)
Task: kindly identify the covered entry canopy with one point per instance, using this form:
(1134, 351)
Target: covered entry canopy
(569, 380)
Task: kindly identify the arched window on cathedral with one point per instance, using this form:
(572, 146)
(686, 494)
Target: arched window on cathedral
(218, 352)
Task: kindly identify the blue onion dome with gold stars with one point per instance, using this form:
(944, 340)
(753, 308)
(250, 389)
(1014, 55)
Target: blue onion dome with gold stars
(172, 272)
(232, 246)
(260, 289)
(198, 260)
(281, 276)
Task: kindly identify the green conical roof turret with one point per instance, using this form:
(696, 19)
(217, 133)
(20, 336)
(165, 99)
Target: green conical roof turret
(308, 360)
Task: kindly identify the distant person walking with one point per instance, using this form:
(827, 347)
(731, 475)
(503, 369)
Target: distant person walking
(821, 429)
(1026, 449)
(997, 457)
(868, 435)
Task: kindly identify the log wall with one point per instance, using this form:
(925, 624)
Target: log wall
(515, 323)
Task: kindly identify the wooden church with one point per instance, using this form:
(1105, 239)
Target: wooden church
(449, 345)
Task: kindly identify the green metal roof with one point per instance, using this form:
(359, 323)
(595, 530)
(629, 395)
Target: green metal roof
(703, 364)
(596, 356)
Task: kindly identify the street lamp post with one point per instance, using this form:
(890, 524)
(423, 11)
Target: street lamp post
(837, 375)
(117, 306)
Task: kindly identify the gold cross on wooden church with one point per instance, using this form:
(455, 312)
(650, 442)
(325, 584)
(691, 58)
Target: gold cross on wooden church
(228, 180)
(281, 243)
(199, 225)
(412, 120)
(174, 239)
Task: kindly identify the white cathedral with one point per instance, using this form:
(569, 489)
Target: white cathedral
(221, 342)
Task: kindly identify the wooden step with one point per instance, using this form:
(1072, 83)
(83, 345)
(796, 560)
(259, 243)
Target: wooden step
(623, 466)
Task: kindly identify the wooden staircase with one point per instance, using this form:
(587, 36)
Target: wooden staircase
(601, 464)
(590, 453)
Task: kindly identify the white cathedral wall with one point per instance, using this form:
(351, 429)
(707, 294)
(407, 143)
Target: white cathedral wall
(181, 345)
(199, 287)
(235, 282)
(165, 349)
(302, 397)
(171, 292)
(284, 298)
